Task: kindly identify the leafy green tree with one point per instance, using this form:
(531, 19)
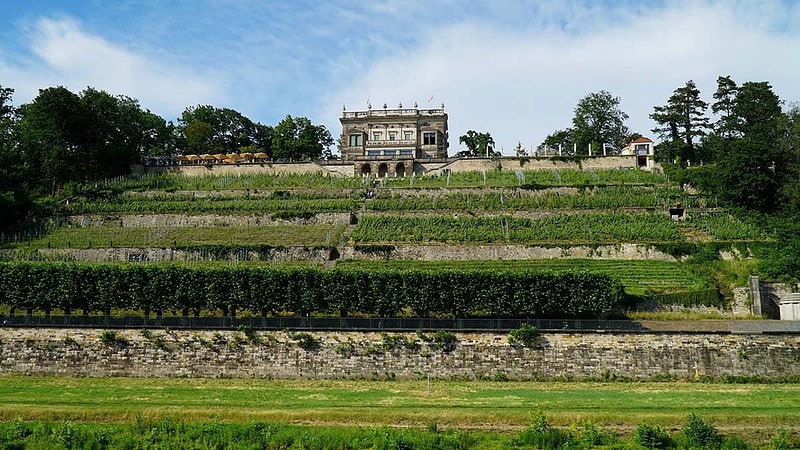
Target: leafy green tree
(119, 133)
(53, 134)
(478, 144)
(206, 129)
(64, 137)
(681, 123)
(599, 120)
(559, 139)
(754, 166)
(297, 138)
(12, 194)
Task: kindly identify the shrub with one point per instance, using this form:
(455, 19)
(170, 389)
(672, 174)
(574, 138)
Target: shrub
(701, 434)
(540, 435)
(112, 338)
(784, 441)
(652, 436)
(525, 336)
(306, 341)
(444, 341)
(393, 342)
(251, 334)
(347, 348)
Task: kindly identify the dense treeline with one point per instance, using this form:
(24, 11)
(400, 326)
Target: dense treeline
(72, 287)
(748, 158)
(61, 138)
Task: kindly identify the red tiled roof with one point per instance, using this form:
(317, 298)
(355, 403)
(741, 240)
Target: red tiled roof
(641, 140)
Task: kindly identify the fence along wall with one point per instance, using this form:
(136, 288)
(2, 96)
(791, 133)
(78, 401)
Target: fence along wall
(362, 355)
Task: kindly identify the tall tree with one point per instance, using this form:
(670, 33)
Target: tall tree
(755, 165)
(681, 123)
(562, 139)
(207, 129)
(53, 133)
(12, 191)
(298, 138)
(724, 104)
(599, 120)
(478, 144)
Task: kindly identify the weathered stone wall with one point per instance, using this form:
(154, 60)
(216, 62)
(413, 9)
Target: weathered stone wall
(420, 167)
(179, 353)
(243, 169)
(117, 254)
(509, 252)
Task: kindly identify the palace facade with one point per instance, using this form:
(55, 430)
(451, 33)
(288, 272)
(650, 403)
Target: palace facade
(387, 142)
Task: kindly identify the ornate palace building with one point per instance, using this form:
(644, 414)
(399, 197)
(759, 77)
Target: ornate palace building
(387, 142)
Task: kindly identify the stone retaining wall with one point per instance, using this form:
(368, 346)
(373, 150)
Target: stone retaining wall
(457, 165)
(508, 252)
(352, 355)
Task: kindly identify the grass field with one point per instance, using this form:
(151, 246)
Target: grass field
(744, 408)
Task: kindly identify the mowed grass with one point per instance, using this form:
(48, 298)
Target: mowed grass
(102, 237)
(491, 405)
(636, 276)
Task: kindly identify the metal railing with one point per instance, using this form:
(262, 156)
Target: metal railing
(313, 323)
(392, 112)
(400, 324)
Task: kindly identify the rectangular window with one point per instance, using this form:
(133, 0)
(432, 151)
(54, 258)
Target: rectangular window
(429, 138)
(407, 152)
(390, 153)
(407, 135)
(377, 136)
(392, 135)
(373, 153)
(355, 140)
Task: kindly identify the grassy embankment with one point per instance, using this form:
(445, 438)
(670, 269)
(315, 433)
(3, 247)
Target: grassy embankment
(501, 409)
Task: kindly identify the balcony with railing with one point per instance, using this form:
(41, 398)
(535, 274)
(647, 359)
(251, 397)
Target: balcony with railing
(390, 143)
(404, 112)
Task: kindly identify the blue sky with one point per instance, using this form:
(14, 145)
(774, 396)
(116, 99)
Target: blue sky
(515, 69)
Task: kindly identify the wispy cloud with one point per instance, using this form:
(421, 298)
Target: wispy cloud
(62, 53)
(523, 83)
(515, 69)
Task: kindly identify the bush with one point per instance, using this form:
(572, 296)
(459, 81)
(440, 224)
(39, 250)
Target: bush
(306, 341)
(540, 435)
(444, 341)
(112, 338)
(392, 342)
(701, 434)
(652, 436)
(784, 441)
(251, 334)
(525, 336)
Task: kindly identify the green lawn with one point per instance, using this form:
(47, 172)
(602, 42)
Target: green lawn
(494, 405)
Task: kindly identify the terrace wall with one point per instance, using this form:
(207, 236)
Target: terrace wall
(343, 168)
(80, 352)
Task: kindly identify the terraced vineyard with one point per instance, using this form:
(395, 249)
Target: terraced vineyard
(638, 277)
(560, 209)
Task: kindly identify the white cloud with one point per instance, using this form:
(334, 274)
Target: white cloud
(521, 84)
(61, 53)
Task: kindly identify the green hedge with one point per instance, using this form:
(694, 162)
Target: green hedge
(268, 290)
